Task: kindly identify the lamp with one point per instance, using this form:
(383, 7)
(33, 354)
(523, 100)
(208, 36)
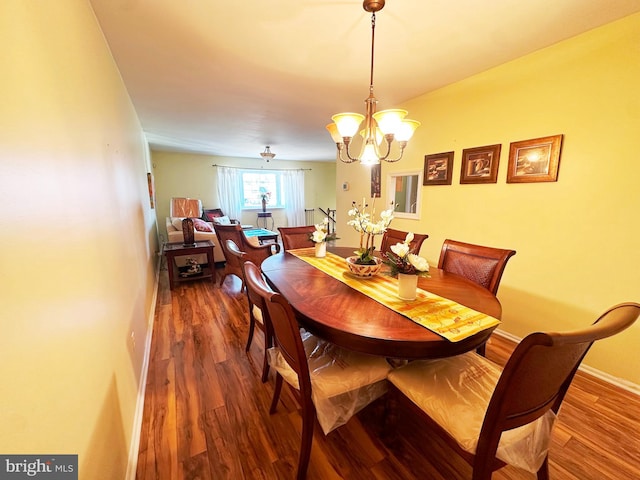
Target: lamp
(267, 155)
(379, 128)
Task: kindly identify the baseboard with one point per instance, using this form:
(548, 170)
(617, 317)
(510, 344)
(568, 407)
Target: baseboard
(132, 464)
(605, 377)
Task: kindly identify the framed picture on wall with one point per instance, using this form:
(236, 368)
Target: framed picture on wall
(438, 169)
(480, 164)
(376, 172)
(152, 190)
(535, 160)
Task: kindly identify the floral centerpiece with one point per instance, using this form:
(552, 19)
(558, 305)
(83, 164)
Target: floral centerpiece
(365, 223)
(402, 259)
(321, 236)
(407, 266)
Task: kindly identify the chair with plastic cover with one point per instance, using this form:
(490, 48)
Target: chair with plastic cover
(391, 237)
(255, 253)
(296, 237)
(331, 383)
(492, 416)
(258, 315)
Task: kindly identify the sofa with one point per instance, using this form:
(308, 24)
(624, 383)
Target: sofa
(203, 231)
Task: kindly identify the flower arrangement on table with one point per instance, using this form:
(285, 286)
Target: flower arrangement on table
(402, 259)
(264, 194)
(321, 233)
(366, 224)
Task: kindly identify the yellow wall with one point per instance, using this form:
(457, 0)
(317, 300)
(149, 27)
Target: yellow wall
(577, 239)
(192, 175)
(77, 258)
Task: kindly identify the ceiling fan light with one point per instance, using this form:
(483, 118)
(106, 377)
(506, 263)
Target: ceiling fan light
(348, 123)
(406, 129)
(389, 120)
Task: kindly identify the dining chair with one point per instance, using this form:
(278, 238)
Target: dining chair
(492, 416)
(391, 237)
(331, 383)
(258, 314)
(480, 264)
(255, 253)
(296, 237)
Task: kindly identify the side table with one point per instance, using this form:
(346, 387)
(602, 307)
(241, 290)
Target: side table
(264, 216)
(172, 250)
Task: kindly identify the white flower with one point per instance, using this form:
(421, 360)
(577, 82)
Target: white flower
(400, 249)
(318, 236)
(418, 262)
(409, 238)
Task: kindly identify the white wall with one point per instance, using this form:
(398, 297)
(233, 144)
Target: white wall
(77, 250)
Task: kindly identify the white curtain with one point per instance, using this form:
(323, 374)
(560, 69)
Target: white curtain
(229, 189)
(293, 186)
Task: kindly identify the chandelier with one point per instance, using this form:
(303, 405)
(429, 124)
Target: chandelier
(379, 129)
(267, 155)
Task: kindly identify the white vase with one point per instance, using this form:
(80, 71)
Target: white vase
(321, 249)
(407, 286)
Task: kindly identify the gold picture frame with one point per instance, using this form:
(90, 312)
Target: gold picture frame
(535, 160)
(480, 164)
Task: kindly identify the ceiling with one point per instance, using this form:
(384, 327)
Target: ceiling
(230, 77)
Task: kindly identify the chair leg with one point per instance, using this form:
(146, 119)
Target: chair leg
(276, 393)
(481, 350)
(308, 420)
(543, 472)
(265, 360)
(252, 326)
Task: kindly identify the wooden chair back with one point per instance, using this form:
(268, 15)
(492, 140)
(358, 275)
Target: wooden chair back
(480, 264)
(392, 236)
(296, 237)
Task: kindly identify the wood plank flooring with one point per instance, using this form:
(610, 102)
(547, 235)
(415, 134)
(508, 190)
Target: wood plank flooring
(206, 412)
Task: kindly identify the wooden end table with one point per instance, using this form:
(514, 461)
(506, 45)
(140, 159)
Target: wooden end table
(172, 250)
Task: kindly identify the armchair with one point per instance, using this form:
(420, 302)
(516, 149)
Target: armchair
(253, 252)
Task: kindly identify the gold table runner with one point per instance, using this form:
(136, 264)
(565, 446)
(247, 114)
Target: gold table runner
(445, 317)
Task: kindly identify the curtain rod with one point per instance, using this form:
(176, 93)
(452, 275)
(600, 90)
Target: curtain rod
(262, 168)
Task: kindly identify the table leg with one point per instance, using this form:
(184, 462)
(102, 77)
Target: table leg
(212, 265)
(170, 269)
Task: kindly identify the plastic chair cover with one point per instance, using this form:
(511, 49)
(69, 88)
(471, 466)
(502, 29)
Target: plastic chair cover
(455, 393)
(343, 382)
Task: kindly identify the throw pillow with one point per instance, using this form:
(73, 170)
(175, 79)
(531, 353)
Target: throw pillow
(201, 225)
(177, 222)
(224, 220)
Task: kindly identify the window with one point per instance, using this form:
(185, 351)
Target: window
(256, 183)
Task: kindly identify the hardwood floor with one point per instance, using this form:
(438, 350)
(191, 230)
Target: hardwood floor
(206, 412)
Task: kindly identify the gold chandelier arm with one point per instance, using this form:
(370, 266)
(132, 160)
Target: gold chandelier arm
(341, 149)
(401, 144)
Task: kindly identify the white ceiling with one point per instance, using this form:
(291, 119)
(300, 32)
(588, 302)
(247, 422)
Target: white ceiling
(229, 77)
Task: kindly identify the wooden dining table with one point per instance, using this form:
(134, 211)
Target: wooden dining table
(342, 315)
